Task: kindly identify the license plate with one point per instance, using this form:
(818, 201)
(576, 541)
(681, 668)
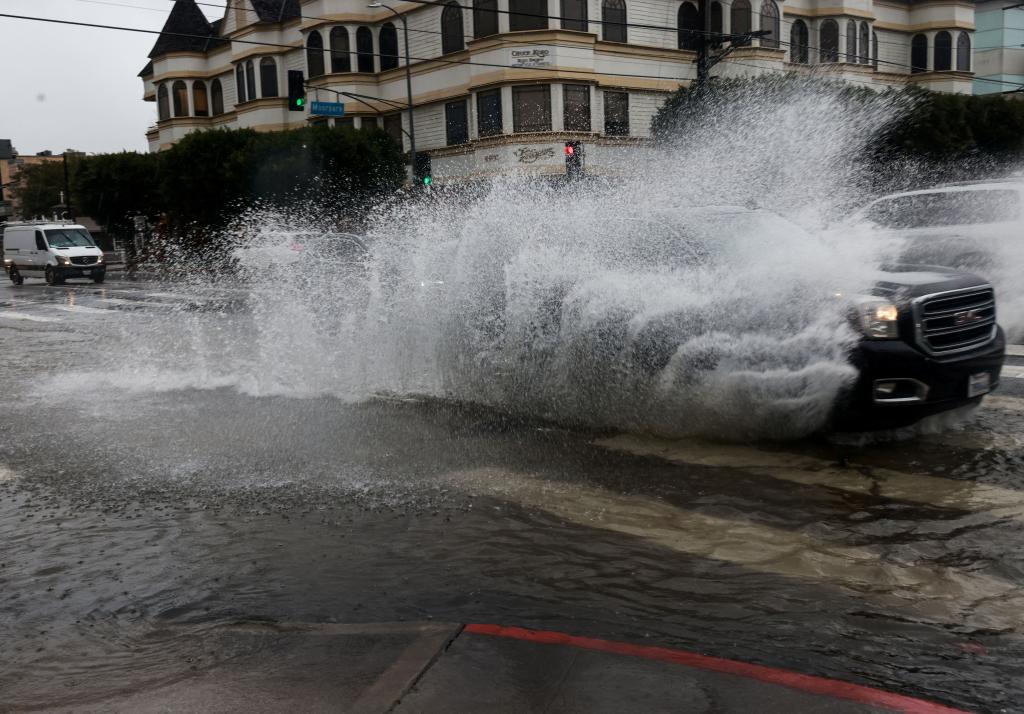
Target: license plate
(979, 384)
(86, 273)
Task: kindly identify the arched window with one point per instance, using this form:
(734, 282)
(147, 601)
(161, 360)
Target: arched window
(690, 27)
(239, 84)
(865, 51)
(451, 28)
(527, 15)
(716, 17)
(315, 54)
(364, 49)
(163, 106)
(341, 61)
(217, 97)
(268, 77)
(851, 41)
(828, 41)
(485, 18)
(250, 80)
(574, 15)
(918, 54)
(943, 52)
(963, 52)
(874, 49)
(741, 18)
(388, 46)
(798, 41)
(199, 103)
(613, 19)
(770, 23)
(179, 95)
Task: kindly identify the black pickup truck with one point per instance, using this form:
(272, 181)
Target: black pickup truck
(928, 338)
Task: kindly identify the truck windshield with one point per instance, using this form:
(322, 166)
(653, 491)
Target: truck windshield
(947, 208)
(69, 238)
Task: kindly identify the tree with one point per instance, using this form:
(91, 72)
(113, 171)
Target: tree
(112, 188)
(38, 188)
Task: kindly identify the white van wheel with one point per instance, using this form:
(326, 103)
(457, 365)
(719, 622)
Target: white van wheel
(16, 276)
(51, 276)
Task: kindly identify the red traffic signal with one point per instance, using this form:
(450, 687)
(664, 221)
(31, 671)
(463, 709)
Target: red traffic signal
(570, 149)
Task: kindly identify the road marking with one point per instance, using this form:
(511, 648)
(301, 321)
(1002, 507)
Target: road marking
(1012, 370)
(812, 471)
(25, 316)
(1015, 350)
(934, 593)
(83, 309)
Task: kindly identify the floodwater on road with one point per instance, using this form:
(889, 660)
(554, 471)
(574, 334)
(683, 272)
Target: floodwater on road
(138, 510)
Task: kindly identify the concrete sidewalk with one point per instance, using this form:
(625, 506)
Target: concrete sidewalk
(433, 667)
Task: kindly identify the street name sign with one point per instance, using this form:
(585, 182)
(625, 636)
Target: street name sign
(328, 109)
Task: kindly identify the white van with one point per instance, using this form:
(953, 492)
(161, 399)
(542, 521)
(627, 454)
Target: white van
(53, 251)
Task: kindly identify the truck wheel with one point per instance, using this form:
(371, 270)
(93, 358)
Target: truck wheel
(16, 276)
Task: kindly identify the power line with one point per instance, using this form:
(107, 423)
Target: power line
(440, 60)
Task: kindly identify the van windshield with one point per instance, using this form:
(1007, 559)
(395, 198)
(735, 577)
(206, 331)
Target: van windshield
(69, 238)
(946, 208)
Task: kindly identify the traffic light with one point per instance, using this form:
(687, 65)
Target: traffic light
(296, 91)
(422, 172)
(574, 155)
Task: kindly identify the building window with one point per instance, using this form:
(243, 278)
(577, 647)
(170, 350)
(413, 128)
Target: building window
(716, 17)
(452, 39)
(393, 127)
(919, 54)
(456, 123)
(943, 52)
(250, 80)
(388, 47)
(179, 94)
(576, 101)
(368, 123)
(199, 103)
(829, 41)
(574, 15)
(217, 97)
(240, 83)
(315, 54)
(488, 112)
(770, 23)
(485, 18)
(527, 15)
(963, 52)
(163, 106)
(531, 108)
(865, 51)
(741, 17)
(268, 77)
(690, 26)
(613, 20)
(798, 40)
(341, 61)
(874, 49)
(339, 123)
(851, 41)
(616, 113)
(364, 50)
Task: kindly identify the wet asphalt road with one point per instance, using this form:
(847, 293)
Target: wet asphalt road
(136, 512)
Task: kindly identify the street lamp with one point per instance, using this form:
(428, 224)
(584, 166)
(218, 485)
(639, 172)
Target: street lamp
(408, 85)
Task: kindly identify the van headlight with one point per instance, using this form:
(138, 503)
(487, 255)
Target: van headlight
(99, 258)
(63, 260)
(878, 319)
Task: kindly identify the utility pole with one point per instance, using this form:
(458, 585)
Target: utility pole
(709, 40)
(67, 189)
(408, 85)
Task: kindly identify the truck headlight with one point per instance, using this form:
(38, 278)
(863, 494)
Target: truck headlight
(878, 319)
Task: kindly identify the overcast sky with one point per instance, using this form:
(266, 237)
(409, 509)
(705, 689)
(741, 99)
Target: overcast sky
(64, 87)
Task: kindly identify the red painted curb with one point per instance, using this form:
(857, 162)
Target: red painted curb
(802, 682)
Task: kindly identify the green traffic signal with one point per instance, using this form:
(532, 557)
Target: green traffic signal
(300, 102)
(427, 180)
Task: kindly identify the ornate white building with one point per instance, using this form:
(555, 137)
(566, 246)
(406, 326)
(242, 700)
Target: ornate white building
(502, 83)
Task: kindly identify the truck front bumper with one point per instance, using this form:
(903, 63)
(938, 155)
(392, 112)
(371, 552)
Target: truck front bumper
(900, 385)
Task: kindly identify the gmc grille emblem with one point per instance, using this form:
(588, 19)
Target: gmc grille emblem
(967, 317)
